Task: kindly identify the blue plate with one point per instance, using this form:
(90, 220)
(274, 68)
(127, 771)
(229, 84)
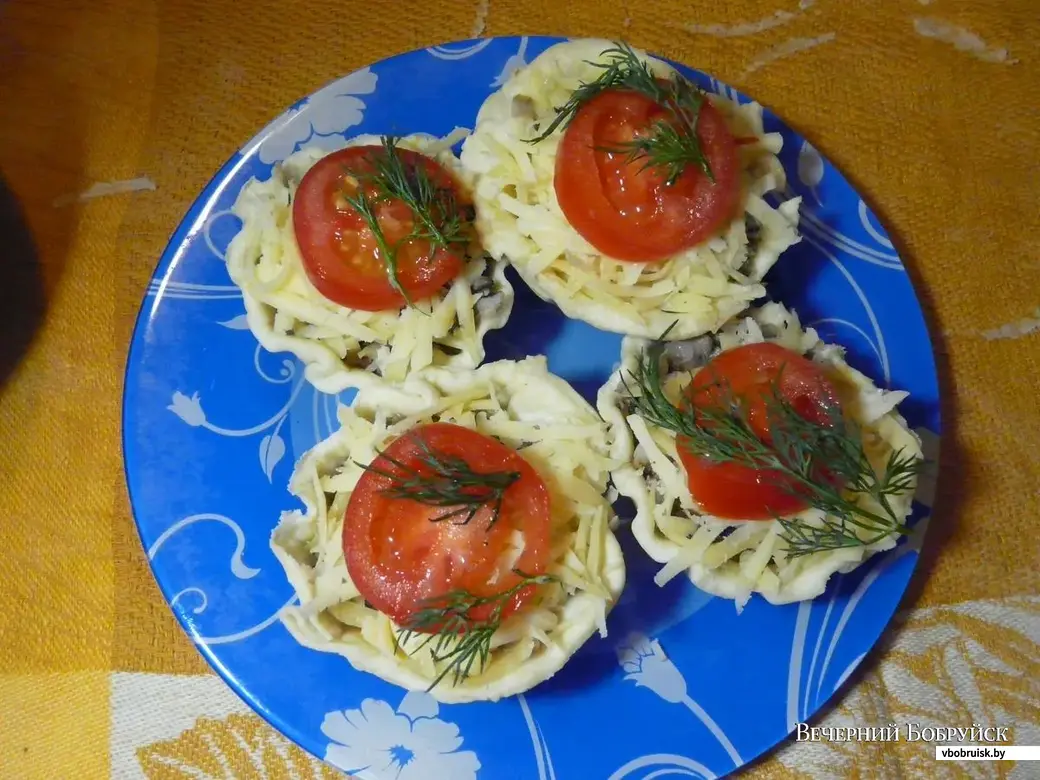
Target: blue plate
(212, 425)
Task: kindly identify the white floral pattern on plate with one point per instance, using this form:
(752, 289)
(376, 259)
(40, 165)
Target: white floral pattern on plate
(237, 566)
(646, 664)
(192, 292)
(459, 52)
(513, 64)
(543, 760)
(272, 446)
(322, 120)
(664, 765)
(375, 742)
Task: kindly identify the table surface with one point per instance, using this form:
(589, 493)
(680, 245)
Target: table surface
(930, 107)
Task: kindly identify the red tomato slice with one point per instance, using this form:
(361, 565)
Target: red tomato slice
(750, 372)
(630, 212)
(340, 254)
(399, 555)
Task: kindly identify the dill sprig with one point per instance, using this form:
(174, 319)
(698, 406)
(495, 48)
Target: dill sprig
(671, 144)
(823, 463)
(458, 637)
(437, 215)
(365, 205)
(443, 480)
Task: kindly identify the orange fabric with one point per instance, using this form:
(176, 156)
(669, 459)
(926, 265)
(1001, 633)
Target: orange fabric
(916, 100)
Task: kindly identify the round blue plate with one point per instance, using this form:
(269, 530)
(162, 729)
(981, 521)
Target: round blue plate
(683, 685)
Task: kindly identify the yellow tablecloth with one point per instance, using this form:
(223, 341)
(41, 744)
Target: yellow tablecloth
(930, 107)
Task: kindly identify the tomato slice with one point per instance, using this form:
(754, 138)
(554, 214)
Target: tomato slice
(399, 554)
(628, 211)
(752, 373)
(341, 255)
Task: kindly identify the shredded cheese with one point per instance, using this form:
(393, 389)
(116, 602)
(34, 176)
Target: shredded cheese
(735, 560)
(343, 347)
(520, 219)
(570, 447)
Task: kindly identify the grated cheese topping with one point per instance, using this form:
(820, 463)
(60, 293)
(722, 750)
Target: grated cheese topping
(735, 560)
(342, 347)
(520, 219)
(570, 447)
